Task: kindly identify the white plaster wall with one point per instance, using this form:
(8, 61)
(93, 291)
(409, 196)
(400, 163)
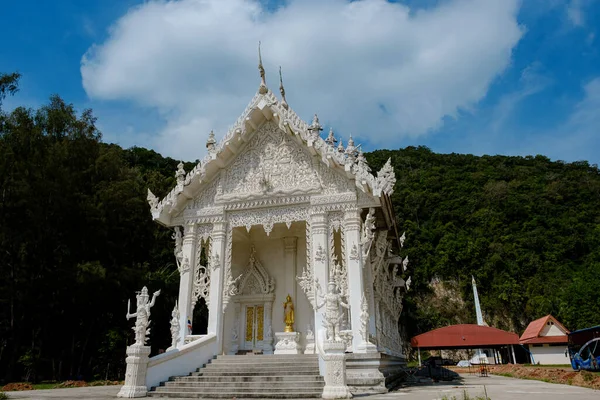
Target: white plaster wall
(270, 252)
(551, 330)
(180, 361)
(548, 355)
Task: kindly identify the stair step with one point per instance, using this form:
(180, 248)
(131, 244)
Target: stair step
(249, 373)
(245, 378)
(281, 364)
(261, 368)
(289, 357)
(230, 395)
(248, 384)
(236, 390)
(248, 377)
(262, 362)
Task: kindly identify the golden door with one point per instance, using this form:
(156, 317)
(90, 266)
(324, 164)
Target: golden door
(253, 335)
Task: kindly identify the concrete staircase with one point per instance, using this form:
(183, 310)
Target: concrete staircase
(248, 376)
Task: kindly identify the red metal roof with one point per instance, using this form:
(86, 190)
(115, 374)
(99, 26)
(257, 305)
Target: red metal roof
(546, 339)
(464, 336)
(535, 328)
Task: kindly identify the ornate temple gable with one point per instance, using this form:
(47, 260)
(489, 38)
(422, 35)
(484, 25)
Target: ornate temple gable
(290, 144)
(272, 170)
(272, 164)
(255, 279)
(206, 197)
(333, 182)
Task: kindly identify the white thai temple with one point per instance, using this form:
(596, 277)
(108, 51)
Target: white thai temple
(276, 210)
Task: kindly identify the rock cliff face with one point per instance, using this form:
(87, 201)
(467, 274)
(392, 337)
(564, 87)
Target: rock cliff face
(446, 299)
(444, 303)
(441, 304)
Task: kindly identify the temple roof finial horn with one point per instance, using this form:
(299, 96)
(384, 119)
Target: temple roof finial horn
(263, 84)
(331, 140)
(282, 90)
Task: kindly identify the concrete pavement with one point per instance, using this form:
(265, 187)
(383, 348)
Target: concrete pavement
(498, 388)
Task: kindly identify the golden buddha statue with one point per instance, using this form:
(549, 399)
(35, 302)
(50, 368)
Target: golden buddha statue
(288, 312)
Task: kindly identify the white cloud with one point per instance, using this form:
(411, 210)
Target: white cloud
(88, 27)
(576, 138)
(532, 81)
(370, 68)
(575, 13)
(586, 112)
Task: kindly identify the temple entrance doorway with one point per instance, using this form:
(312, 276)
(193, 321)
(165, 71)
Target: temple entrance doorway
(252, 321)
(265, 268)
(254, 327)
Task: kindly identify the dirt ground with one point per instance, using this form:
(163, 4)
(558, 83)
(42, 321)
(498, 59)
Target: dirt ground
(553, 375)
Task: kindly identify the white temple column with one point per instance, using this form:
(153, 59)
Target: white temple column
(290, 250)
(268, 328)
(186, 281)
(215, 310)
(319, 243)
(369, 294)
(355, 277)
(234, 346)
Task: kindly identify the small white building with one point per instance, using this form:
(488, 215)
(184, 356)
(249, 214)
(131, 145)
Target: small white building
(546, 340)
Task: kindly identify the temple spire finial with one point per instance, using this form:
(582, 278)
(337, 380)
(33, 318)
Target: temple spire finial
(331, 140)
(340, 147)
(282, 91)
(315, 128)
(211, 142)
(263, 84)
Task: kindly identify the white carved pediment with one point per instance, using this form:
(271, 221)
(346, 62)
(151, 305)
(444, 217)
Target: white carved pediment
(274, 164)
(255, 279)
(270, 164)
(333, 182)
(206, 197)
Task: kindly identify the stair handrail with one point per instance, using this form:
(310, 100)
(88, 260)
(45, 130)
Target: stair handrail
(189, 357)
(320, 335)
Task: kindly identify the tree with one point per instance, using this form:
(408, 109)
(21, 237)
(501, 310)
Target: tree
(74, 228)
(9, 85)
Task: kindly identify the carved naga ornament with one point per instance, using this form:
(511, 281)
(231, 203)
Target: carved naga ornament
(368, 233)
(386, 179)
(152, 200)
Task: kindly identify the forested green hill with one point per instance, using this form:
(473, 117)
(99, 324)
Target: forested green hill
(77, 240)
(527, 228)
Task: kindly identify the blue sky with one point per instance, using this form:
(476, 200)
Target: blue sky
(467, 76)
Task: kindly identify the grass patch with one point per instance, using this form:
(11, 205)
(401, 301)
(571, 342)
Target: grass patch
(45, 385)
(547, 366)
(3, 396)
(506, 374)
(588, 376)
